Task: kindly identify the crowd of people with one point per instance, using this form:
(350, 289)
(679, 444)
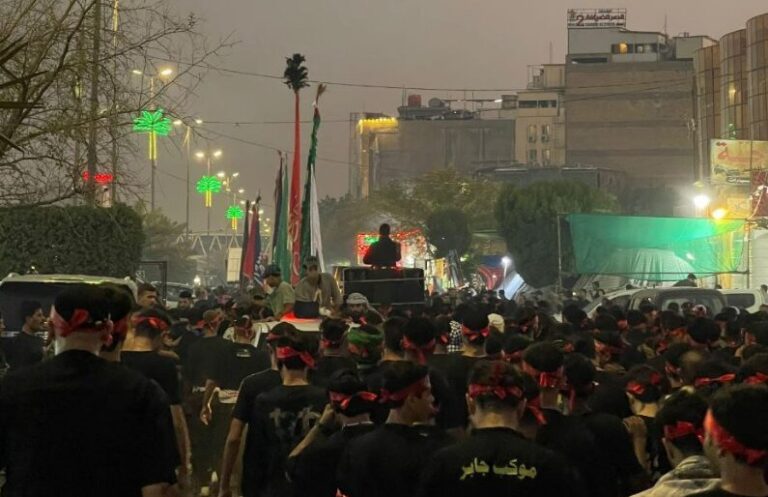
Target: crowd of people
(462, 396)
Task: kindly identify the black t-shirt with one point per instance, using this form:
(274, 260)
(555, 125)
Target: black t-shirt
(440, 362)
(24, 350)
(206, 356)
(327, 365)
(79, 425)
(388, 461)
(185, 342)
(617, 452)
(162, 369)
(251, 387)
(609, 396)
(313, 472)
(658, 456)
(451, 413)
(498, 461)
(597, 445)
(459, 368)
(383, 252)
(238, 360)
(280, 419)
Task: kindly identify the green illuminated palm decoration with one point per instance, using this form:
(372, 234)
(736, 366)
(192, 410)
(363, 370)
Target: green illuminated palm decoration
(153, 123)
(208, 185)
(235, 212)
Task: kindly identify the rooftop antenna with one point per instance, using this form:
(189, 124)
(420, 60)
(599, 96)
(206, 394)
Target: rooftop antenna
(665, 24)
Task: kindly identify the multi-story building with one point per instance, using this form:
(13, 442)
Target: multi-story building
(387, 149)
(732, 90)
(629, 105)
(540, 126)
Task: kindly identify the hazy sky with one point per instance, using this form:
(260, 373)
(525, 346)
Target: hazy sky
(416, 43)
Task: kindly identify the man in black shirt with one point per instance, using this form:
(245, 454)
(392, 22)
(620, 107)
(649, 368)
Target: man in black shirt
(496, 459)
(203, 362)
(474, 332)
(26, 348)
(333, 355)
(312, 464)
(148, 326)
(251, 387)
(736, 439)
(388, 461)
(281, 418)
(385, 252)
(79, 425)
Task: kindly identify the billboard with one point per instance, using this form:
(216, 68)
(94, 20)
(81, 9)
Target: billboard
(734, 160)
(597, 18)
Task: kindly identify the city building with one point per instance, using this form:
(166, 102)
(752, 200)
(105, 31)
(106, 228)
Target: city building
(628, 96)
(385, 149)
(540, 126)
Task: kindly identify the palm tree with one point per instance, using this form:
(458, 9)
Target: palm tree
(296, 78)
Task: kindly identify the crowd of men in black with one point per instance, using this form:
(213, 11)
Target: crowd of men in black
(472, 398)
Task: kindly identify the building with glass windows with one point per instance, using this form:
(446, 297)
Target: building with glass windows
(757, 76)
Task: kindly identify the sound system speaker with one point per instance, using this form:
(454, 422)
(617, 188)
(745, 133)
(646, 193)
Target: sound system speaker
(395, 286)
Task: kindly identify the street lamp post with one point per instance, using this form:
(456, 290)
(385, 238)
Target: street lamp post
(208, 156)
(188, 144)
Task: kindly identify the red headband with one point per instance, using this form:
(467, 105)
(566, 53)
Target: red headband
(78, 322)
(683, 429)
(671, 370)
(729, 444)
(288, 352)
(726, 378)
(444, 339)
(499, 391)
(421, 351)
(552, 379)
(343, 399)
(756, 379)
(473, 335)
(416, 388)
(534, 406)
(154, 322)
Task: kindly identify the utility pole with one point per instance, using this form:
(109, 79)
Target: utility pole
(94, 104)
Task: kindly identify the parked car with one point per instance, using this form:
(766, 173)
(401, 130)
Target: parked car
(713, 300)
(745, 298)
(619, 297)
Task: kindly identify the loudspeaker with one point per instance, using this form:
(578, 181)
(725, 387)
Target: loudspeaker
(396, 286)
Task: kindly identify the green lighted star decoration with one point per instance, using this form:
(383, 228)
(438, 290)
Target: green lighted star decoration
(235, 212)
(208, 185)
(153, 123)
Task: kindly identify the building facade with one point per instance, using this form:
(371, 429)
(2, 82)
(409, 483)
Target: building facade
(421, 139)
(732, 90)
(540, 118)
(757, 77)
(629, 103)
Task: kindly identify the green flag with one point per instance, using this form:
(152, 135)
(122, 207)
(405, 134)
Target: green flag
(311, 244)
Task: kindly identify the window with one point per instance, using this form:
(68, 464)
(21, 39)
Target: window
(546, 156)
(546, 131)
(532, 132)
(620, 48)
(533, 156)
(639, 48)
(527, 104)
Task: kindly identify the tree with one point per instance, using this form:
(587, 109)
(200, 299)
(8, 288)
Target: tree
(447, 230)
(527, 219)
(340, 221)
(164, 242)
(76, 76)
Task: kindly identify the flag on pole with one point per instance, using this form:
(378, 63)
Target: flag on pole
(281, 254)
(294, 221)
(244, 277)
(311, 240)
(252, 245)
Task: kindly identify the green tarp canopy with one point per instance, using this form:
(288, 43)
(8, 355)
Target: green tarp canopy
(655, 248)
